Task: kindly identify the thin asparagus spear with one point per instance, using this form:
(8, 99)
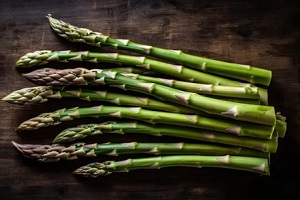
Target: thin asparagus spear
(137, 113)
(245, 112)
(41, 94)
(245, 92)
(242, 72)
(85, 130)
(56, 152)
(93, 170)
(45, 56)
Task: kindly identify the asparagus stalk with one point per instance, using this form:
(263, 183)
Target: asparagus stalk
(56, 152)
(45, 56)
(114, 127)
(245, 92)
(253, 95)
(137, 113)
(245, 112)
(262, 94)
(252, 164)
(41, 94)
(237, 71)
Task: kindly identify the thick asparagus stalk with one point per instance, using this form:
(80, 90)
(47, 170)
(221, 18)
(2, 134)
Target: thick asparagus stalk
(261, 96)
(85, 130)
(232, 70)
(93, 170)
(245, 112)
(56, 152)
(137, 113)
(245, 92)
(45, 56)
(41, 94)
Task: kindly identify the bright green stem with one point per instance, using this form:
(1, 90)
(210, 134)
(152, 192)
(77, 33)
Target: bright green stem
(45, 56)
(137, 113)
(54, 152)
(237, 71)
(260, 114)
(85, 130)
(252, 164)
(246, 92)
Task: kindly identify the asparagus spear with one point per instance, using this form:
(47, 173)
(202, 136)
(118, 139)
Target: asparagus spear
(245, 112)
(93, 170)
(227, 126)
(56, 152)
(85, 130)
(45, 56)
(245, 92)
(41, 94)
(232, 70)
(258, 95)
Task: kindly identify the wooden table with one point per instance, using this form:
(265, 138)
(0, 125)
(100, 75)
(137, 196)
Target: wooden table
(260, 33)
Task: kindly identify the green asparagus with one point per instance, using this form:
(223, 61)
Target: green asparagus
(56, 152)
(114, 127)
(252, 164)
(237, 71)
(245, 112)
(41, 94)
(258, 95)
(246, 92)
(45, 56)
(137, 113)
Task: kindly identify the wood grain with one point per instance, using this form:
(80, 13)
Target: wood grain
(261, 33)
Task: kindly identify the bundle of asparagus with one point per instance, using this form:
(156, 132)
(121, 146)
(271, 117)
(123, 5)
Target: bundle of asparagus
(231, 121)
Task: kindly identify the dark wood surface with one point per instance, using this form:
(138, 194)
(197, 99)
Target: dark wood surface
(261, 33)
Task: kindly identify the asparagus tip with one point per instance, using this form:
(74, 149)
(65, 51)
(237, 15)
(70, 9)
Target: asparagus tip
(92, 170)
(20, 147)
(7, 98)
(59, 139)
(34, 94)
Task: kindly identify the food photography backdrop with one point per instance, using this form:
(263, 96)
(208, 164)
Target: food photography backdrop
(265, 34)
